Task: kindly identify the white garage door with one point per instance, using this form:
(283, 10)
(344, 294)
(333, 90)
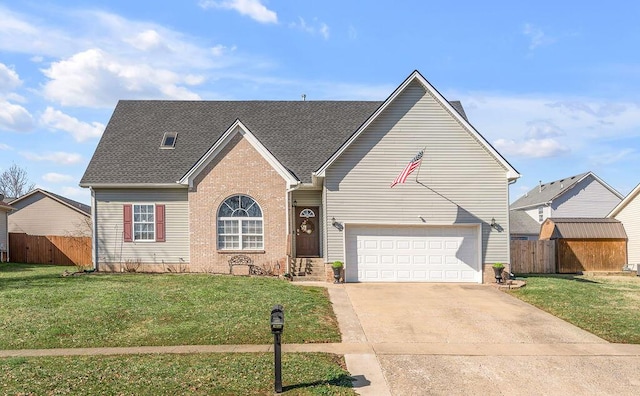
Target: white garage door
(412, 254)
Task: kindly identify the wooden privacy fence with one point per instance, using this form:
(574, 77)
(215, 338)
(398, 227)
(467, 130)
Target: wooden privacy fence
(50, 249)
(533, 257)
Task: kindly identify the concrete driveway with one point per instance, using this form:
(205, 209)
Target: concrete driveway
(473, 339)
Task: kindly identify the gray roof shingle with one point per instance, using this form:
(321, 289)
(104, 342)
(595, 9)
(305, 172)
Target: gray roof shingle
(302, 135)
(521, 223)
(546, 192)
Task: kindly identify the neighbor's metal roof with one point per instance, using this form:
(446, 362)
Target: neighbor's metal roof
(586, 228)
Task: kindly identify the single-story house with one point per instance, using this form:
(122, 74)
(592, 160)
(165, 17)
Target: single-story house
(586, 244)
(4, 229)
(41, 212)
(196, 184)
(628, 212)
(583, 195)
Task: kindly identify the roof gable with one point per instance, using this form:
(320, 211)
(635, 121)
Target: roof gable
(453, 109)
(623, 204)
(548, 192)
(70, 203)
(237, 128)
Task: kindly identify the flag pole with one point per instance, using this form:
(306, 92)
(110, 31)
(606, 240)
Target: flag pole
(420, 166)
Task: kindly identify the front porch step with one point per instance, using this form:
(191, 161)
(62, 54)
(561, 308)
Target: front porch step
(308, 269)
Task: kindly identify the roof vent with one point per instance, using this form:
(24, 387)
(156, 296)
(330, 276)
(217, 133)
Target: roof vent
(169, 140)
(540, 187)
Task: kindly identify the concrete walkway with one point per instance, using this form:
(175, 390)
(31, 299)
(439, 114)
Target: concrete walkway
(417, 339)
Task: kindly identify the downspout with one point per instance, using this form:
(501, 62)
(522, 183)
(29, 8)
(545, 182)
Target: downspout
(6, 217)
(94, 233)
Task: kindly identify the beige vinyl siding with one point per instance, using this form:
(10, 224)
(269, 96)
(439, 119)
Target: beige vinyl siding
(460, 181)
(39, 214)
(630, 218)
(588, 198)
(4, 243)
(109, 226)
(307, 197)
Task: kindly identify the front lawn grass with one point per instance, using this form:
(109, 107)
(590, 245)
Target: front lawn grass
(607, 306)
(164, 374)
(41, 309)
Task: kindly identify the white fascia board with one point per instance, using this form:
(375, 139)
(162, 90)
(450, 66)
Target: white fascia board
(511, 174)
(235, 128)
(632, 195)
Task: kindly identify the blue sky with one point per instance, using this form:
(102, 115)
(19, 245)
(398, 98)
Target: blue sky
(554, 87)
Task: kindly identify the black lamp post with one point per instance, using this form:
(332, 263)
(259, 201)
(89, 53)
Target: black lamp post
(277, 327)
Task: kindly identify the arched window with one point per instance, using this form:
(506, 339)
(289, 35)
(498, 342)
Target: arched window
(240, 224)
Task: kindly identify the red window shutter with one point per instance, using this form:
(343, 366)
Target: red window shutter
(160, 234)
(128, 223)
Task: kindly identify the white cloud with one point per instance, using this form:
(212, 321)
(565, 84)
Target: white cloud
(53, 177)
(14, 117)
(147, 40)
(80, 130)
(58, 157)
(94, 78)
(9, 79)
(254, 9)
(320, 28)
(25, 34)
(536, 36)
(352, 33)
(4, 146)
(77, 193)
(531, 148)
(611, 156)
(542, 129)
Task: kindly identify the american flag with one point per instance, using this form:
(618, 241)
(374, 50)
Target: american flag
(411, 166)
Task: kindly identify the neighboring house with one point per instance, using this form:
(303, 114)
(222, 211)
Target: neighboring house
(196, 183)
(628, 212)
(41, 212)
(583, 195)
(4, 229)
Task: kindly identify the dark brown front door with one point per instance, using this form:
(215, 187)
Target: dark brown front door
(307, 231)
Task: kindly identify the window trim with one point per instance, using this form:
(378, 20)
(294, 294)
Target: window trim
(239, 220)
(133, 222)
(540, 214)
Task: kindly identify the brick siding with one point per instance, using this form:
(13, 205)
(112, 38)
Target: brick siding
(237, 169)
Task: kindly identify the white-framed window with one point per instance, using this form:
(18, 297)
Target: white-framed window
(144, 222)
(540, 214)
(240, 224)
(169, 140)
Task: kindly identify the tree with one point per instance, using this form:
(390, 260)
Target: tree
(14, 182)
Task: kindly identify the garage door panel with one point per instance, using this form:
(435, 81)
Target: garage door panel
(436, 254)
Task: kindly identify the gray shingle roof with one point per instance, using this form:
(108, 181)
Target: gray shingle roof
(71, 202)
(583, 228)
(300, 134)
(546, 192)
(67, 201)
(521, 223)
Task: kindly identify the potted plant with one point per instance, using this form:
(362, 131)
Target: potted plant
(497, 271)
(337, 270)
